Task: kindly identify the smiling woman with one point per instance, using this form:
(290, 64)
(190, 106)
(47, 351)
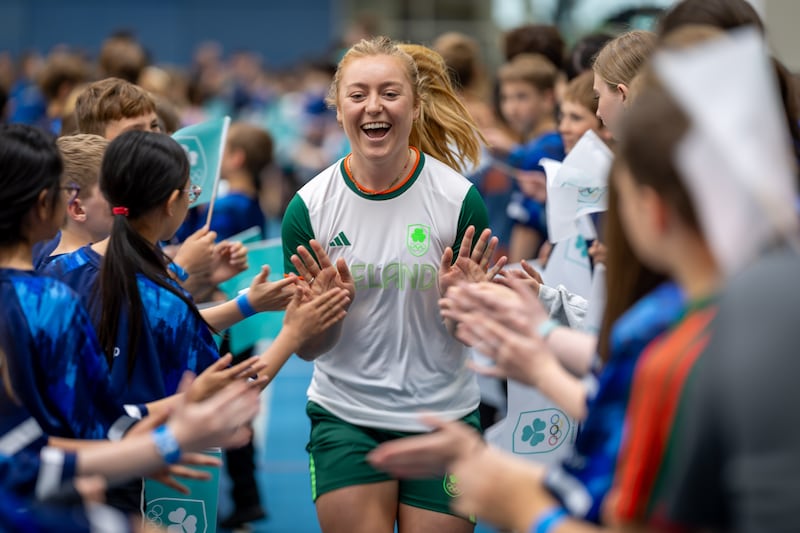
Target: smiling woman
(391, 212)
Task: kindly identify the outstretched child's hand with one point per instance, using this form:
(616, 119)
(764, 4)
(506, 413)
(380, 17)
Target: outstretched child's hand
(528, 274)
(265, 295)
(310, 314)
(310, 269)
(223, 419)
(229, 259)
(195, 254)
(219, 375)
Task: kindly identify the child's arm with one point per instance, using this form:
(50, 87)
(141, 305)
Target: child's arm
(306, 317)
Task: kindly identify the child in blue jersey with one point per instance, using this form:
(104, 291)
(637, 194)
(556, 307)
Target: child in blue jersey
(50, 346)
(527, 103)
(144, 315)
(248, 151)
(88, 216)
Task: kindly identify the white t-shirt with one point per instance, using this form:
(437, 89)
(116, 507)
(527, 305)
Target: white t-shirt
(395, 357)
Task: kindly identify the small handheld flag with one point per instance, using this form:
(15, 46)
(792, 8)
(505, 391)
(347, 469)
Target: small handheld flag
(204, 144)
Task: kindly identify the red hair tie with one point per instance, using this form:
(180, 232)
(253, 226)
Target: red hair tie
(120, 211)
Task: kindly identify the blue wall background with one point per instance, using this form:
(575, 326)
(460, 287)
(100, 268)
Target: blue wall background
(283, 31)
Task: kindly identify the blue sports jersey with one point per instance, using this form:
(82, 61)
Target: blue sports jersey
(522, 209)
(233, 213)
(79, 270)
(54, 362)
(582, 481)
(173, 340)
(526, 156)
(42, 251)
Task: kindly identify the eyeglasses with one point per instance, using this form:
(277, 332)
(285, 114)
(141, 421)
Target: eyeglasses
(73, 190)
(193, 191)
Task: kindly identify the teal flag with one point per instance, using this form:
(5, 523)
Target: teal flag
(204, 144)
(260, 326)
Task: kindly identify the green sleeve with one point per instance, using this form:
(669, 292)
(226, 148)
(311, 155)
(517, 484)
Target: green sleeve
(473, 213)
(295, 230)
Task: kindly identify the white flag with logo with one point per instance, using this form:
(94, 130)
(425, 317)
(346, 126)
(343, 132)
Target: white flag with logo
(736, 159)
(577, 186)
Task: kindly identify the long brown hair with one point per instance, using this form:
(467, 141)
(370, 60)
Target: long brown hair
(627, 278)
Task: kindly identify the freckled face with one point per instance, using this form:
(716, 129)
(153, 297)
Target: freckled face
(376, 106)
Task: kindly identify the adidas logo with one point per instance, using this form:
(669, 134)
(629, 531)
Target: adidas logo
(340, 240)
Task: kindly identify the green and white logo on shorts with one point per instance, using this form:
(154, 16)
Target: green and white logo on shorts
(450, 485)
(418, 239)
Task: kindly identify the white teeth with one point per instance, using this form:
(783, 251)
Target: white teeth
(375, 125)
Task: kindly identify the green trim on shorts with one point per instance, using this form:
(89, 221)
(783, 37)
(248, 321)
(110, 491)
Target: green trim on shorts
(312, 470)
(337, 459)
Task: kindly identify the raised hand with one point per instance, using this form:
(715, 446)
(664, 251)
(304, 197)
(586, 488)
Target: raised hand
(195, 254)
(169, 474)
(309, 269)
(528, 274)
(265, 295)
(471, 264)
(221, 420)
(228, 259)
(219, 375)
(522, 358)
(310, 314)
(514, 304)
(532, 183)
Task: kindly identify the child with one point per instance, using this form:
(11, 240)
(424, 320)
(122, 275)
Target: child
(527, 103)
(88, 214)
(248, 151)
(579, 112)
(614, 69)
(112, 106)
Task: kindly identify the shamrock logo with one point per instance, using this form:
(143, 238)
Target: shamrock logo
(180, 522)
(451, 485)
(417, 239)
(534, 434)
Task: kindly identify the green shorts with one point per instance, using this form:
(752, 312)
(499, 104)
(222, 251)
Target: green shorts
(337, 453)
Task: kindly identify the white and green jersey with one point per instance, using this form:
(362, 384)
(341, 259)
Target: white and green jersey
(395, 356)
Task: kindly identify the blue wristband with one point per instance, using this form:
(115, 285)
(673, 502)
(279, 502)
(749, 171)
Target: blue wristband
(546, 328)
(244, 306)
(179, 272)
(167, 445)
(549, 520)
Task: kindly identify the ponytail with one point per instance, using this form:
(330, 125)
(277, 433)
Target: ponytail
(140, 172)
